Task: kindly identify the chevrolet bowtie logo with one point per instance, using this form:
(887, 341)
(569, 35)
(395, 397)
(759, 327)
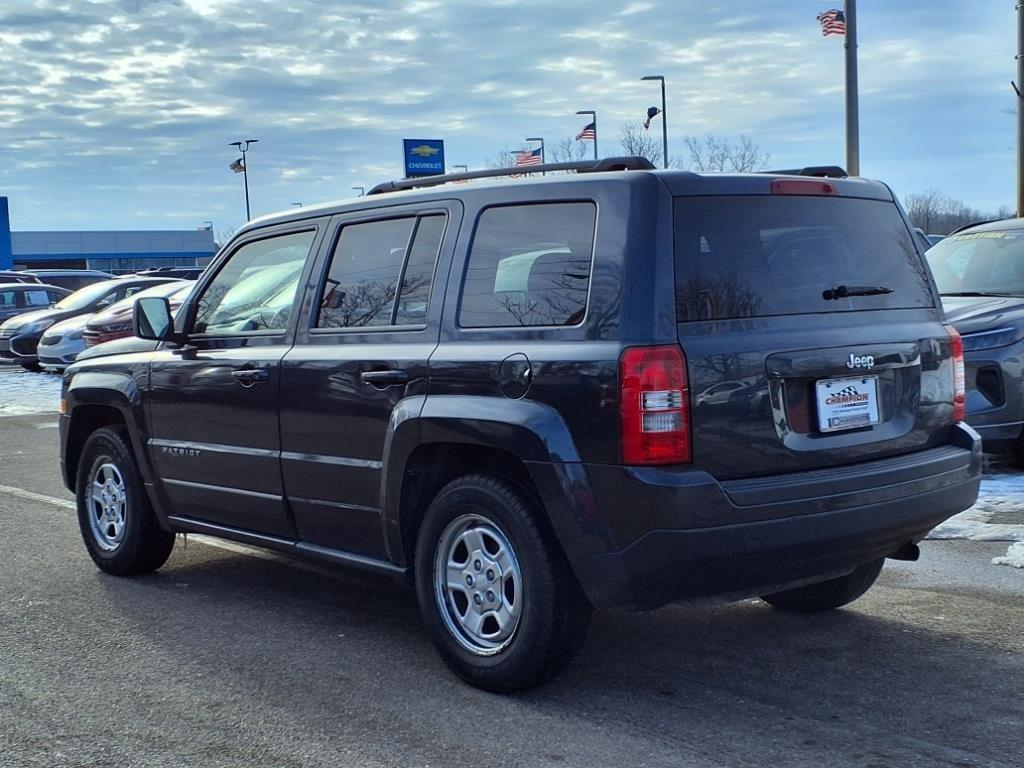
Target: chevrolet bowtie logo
(425, 150)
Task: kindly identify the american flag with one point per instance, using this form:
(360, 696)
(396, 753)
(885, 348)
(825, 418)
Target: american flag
(832, 22)
(237, 166)
(528, 157)
(587, 134)
(652, 112)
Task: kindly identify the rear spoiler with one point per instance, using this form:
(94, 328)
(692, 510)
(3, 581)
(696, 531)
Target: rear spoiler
(821, 171)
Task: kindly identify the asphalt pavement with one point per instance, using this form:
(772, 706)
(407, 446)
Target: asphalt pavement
(230, 657)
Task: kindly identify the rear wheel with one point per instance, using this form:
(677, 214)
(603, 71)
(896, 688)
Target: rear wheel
(827, 595)
(1017, 453)
(118, 525)
(496, 593)
(34, 367)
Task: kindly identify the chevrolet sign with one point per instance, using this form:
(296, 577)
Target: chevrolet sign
(423, 157)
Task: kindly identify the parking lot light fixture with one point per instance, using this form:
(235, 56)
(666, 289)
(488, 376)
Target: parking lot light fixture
(362, 190)
(243, 147)
(664, 119)
(593, 119)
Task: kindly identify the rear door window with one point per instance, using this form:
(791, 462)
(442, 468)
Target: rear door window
(752, 256)
(36, 299)
(529, 266)
(381, 273)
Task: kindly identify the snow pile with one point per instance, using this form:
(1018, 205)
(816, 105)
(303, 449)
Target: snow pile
(24, 392)
(1014, 556)
(1000, 494)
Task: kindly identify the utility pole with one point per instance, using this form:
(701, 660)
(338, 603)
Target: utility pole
(1020, 108)
(243, 147)
(852, 118)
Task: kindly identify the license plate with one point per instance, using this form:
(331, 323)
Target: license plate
(847, 403)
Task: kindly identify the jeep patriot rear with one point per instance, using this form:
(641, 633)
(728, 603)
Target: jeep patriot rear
(536, 396)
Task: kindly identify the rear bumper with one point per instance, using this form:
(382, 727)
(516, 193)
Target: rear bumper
(705, 539)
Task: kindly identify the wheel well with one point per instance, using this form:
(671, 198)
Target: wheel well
(86, 419)
(434, 465)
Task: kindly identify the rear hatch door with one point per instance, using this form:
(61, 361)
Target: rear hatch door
(811, 329)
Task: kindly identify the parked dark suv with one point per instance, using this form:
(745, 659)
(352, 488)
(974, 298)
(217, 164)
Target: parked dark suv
(487, 390)
(979, 271)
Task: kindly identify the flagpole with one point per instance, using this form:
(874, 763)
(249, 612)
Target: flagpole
(1020, 108)
(243, 148)
(852, 118)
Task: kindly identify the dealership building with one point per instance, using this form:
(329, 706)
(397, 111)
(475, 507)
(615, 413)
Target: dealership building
(111, 251)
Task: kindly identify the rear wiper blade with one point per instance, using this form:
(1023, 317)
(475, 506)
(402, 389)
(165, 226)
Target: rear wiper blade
(842, 291)
(978, 293)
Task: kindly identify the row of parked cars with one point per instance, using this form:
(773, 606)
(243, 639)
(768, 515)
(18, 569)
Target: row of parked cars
(48, 317)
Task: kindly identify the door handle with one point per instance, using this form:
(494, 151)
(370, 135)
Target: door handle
(384, 378)
(249, 376)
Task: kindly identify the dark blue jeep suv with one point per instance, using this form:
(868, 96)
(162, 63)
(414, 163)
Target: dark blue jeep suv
(488, 391)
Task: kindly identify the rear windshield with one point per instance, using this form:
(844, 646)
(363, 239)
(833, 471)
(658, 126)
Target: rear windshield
(754, 256)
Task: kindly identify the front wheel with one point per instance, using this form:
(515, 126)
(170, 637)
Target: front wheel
(827, 595)
(116, 520)
(496, 592)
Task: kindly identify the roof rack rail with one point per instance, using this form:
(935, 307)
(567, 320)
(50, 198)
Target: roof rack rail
(821, 171)
(974, 224)
(580, 166)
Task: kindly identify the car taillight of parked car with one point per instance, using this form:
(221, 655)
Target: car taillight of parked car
(654, 403)
(956, 345)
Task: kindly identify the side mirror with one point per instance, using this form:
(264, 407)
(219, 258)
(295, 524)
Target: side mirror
(151, 319)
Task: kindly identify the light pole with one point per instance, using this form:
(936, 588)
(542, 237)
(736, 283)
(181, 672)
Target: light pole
(209, 225)
(593, 119)
(243, 147)
(465, 168)
(362, 190)
(297, 205)
(664, 119)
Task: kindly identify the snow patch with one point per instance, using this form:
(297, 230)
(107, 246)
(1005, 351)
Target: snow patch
(1014, 556)
(1000, 494)
(23, 393)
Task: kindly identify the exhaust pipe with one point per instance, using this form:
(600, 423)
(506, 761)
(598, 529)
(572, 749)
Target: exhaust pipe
(909, 551)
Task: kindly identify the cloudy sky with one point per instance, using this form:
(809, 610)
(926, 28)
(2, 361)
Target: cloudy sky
(117, 113)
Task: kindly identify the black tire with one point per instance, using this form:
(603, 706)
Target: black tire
(827, 595)
(1017, 453)
(142, 546)
(554, 613)
(34, 367)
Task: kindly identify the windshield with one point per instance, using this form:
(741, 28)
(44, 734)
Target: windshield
(164, 289)
(83, 297)
(980, 262)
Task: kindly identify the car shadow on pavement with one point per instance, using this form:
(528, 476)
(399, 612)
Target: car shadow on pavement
(853, 680)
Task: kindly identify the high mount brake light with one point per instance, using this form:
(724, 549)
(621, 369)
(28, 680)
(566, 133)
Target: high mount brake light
(956, 345)
(803, 187)
(654, 406)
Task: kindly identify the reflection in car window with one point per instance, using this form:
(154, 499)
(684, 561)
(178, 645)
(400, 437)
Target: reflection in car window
(362, 287)
(255, 289)
(529, 265)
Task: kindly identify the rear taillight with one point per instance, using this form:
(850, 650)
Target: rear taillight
(654, 406)
(956, 346)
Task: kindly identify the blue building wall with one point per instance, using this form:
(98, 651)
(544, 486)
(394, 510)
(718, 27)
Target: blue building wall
(117, 251)
(5, 235)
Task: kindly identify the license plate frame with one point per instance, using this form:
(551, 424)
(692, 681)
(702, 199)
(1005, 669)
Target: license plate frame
(847, 403)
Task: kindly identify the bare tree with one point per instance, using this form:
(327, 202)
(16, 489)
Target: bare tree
(935, 213)
(718, 154)
(568, 150)
(637, 142)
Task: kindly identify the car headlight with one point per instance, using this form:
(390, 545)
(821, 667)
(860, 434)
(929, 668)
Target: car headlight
(1000, 337)
(30, 329)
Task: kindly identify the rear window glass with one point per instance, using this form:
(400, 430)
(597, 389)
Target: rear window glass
(755, 256)
(529, 265)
